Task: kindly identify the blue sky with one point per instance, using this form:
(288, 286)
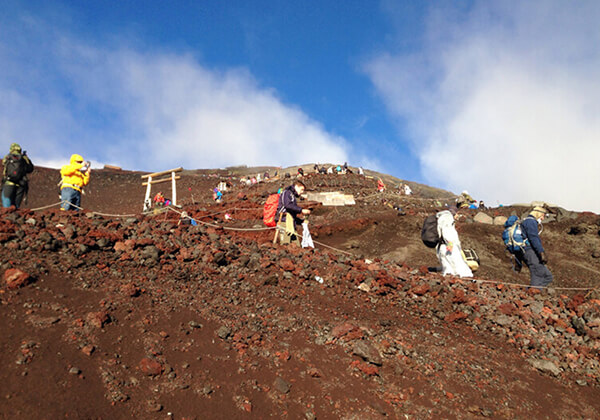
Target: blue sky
(499, 98)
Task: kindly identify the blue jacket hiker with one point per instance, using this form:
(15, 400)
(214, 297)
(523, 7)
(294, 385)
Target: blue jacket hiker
(535, 256)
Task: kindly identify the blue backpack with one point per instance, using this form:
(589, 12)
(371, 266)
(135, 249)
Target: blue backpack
(513, 235)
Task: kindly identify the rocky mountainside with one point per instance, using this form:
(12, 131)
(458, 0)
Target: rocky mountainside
(149, 316)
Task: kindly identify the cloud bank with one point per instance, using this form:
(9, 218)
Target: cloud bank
(144, 110)
(503, 100)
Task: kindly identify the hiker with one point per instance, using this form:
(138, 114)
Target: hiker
(75, 176)
(534, 254)
(288, 206)
(464, 200)
(159, 199)
(361, 171)
(16, 165)
(300, 173)
(380, 185)
(217, 195)
(330, 170)
(482, 205)
(316, 168)
(407, 189)
(449, 250)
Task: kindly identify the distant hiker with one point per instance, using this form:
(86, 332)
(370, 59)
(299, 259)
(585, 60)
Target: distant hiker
(345, 167)
(464, 200)
(288, 212)
(300, 172)
(217, 195)
(16, 165)
(380, 185)
(449, 250)
(267, 176)
(407, 190)
(75, 176)
(159, 199)
(361, 171)
(330, 170)
(535, 256)
(316, 168)
(482, 205)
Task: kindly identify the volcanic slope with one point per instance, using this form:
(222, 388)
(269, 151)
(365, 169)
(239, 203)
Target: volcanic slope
(148, 316)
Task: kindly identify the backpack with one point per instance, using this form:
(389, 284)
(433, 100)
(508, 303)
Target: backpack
(270, 210)
(429, 233)
(513, 235)
(471, 258)
(16, 168)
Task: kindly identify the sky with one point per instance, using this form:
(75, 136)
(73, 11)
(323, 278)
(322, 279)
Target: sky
(498, 98)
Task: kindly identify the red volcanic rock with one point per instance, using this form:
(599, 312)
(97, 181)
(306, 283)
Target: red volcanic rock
(576, 301)
(507, 308)
(344, 329)
(98, 319)
(150, 367)
(88, 350)
(286, 264)
(455, 316)
(365, 368)
(130, 290)
(15, 278)
(459, 296)
(120, 247)
(420, 290)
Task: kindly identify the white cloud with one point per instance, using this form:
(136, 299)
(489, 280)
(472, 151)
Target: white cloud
(146, 110)
(503, 100)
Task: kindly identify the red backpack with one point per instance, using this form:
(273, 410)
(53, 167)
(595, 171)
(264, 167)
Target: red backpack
(270, 210)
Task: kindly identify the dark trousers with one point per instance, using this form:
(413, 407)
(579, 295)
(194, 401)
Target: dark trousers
(540, 275)
(12, 195)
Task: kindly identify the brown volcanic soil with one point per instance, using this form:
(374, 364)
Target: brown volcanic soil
(145, 317)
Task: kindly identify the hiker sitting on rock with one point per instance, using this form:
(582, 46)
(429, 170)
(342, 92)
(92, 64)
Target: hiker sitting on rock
(535, 256)
(16, 165)
(449, 250)
(288, 206)
(75, 176)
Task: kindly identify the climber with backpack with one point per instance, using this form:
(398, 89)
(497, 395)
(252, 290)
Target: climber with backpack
(286, 215)
(16, 165)
(439, 232)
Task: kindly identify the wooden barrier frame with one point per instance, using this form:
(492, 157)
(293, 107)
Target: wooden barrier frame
(151, 181)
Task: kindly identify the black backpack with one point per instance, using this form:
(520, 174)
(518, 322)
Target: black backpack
(16, 168)
(429, 233)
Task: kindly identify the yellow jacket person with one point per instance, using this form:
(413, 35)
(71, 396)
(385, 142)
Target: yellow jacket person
(75, 176)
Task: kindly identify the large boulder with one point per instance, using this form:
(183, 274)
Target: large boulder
(483, 218)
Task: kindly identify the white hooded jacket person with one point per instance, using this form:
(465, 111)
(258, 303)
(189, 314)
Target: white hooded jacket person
(449, 250)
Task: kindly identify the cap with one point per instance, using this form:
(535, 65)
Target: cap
(15, 148)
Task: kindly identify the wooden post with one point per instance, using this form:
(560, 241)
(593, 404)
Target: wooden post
(147, 202)
(174, 188)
